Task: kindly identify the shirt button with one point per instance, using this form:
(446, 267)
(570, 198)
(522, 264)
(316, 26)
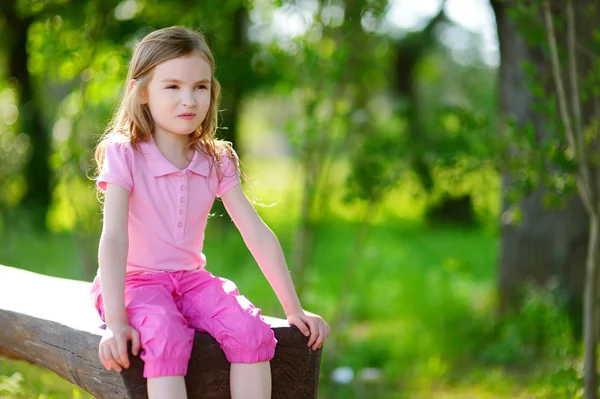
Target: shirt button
(182, 188)
(179, 224)
(182, 199)
(181, 211)
(182, 177)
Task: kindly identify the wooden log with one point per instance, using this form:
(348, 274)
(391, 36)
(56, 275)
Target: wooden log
(51, 322)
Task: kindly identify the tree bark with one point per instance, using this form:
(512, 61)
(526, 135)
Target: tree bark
(548, 243)
(591, 314)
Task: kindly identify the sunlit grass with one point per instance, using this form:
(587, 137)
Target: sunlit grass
(54, 255)
(19, 380)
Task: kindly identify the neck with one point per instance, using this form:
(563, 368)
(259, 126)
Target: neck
(171, 144)
(173, 148)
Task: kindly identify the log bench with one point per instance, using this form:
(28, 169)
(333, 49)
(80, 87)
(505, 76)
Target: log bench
(51, 322)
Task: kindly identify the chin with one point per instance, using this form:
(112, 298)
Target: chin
(182, 131)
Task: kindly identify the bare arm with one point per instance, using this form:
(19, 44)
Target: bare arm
(112, 253)
(265, 247)
(112, 258)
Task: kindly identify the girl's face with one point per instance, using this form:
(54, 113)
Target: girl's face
(178, 94)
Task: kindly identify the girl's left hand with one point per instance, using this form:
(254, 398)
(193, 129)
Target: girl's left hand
(312, 325)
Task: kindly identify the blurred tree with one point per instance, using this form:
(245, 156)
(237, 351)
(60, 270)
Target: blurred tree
(430, 137)
(236, 77)
(340, 75)
(18, 22)
(410, 52)
(45, 71)
(582, 135)
(539, 243)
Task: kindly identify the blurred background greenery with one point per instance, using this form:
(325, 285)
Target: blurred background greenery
(401, 152)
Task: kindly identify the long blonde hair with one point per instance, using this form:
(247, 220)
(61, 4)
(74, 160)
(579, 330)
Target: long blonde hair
(133, 123)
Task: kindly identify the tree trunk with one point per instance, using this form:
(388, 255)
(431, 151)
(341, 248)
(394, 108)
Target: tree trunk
(234, 82)
(38, 196)
(410, 51)
(546, 244)
(591, 313)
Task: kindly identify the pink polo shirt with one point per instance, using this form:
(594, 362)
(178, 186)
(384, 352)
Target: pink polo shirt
(168, 207)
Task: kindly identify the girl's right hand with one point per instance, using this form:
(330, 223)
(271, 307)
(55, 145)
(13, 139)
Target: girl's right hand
(113, 346)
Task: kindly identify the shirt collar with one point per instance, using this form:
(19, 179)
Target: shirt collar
(160, 166)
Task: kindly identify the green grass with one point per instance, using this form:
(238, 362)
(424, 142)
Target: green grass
(19, 380)
(422, 301)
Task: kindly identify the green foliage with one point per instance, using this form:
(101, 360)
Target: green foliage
(540, 329)
(13, 151)
(538, 153)
(377, 164)
(340, 108)
(563, 381)
(527, 17)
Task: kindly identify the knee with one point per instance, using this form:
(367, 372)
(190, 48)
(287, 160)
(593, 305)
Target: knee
(249, 341)
(259, 333)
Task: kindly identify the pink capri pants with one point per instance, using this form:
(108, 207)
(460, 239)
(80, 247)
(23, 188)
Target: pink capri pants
(166, 308)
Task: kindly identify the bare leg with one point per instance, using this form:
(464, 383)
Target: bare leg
(167, 387)
(250, 380)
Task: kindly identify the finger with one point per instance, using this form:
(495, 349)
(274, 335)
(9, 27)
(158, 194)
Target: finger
(314, 331)
(122, 358)
(108, 358)
(103, 358)
(135, 342)
(324, 331)
(314, 335)
(114, 365)
(302, 327)
(320, 339)
(324, 334)
(114, 356)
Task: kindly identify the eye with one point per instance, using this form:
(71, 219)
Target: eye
(203, 87)
(171, 87)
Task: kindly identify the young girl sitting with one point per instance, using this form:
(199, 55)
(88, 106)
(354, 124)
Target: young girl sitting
(161, 168)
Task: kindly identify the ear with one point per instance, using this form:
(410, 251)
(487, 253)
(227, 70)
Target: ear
(131, 84)
(143, 96)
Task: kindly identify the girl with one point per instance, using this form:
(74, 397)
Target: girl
(161, 168)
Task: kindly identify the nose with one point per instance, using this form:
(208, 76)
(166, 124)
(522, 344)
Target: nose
(187, 98)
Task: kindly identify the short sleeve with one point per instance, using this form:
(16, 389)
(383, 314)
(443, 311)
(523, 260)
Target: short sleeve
(229, 174)
(116, 168)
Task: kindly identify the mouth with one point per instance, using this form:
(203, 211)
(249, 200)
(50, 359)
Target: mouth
(186, 116)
